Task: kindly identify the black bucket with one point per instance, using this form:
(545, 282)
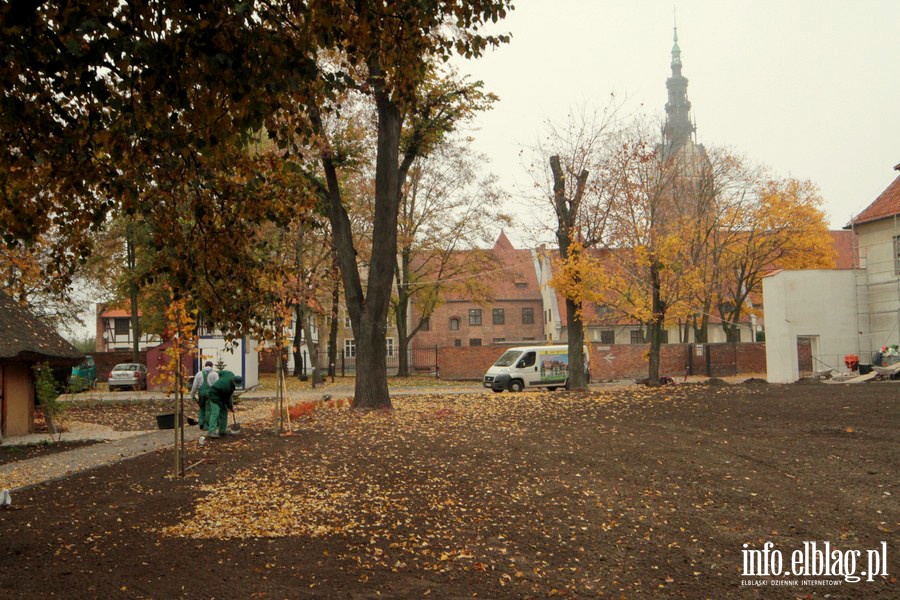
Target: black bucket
(166, 421)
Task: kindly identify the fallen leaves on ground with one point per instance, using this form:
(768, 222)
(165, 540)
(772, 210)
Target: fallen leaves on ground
(399, 507)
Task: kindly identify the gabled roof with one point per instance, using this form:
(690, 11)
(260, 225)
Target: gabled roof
(885, 205)
(503, 242)
(510, 278)
(25, 337)
(111, 310)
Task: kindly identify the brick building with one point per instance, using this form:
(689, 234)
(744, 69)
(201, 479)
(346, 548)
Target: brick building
(114, 333)
(514, 314)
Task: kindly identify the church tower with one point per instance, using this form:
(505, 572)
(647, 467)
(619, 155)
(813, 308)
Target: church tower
(685, 161)
(678, 128)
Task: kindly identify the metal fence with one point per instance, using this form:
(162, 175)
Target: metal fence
(421, 361)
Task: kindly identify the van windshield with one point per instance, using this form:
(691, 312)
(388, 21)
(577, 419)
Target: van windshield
(508, 358)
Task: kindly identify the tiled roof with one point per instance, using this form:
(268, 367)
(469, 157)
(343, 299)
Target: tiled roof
(25, 337)
(512, 277)
(503, 242)
(885, 205)
(105, 310)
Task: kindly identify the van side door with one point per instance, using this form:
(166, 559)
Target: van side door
(527, 368)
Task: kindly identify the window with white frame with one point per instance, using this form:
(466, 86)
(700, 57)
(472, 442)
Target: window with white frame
(389, 346)
(347, 323)
(350, 348)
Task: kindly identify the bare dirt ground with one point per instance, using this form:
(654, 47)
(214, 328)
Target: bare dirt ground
(617, 493)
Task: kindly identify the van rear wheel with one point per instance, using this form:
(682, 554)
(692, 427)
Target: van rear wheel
(516, 385)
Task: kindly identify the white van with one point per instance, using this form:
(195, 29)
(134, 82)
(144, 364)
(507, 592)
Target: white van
(531, 366)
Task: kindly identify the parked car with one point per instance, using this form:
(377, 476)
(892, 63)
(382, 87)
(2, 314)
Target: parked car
(131, 376)
(84, 376)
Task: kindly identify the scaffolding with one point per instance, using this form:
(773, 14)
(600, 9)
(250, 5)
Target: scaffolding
(877, 286)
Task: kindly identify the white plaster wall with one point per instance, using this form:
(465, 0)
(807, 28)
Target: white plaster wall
(243, 360)
(554, 330)
(809, 303)
(880, 286)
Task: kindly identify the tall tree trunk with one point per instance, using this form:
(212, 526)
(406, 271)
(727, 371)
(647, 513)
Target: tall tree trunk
(566, 215)
(298, 342)
(312, 348)
(403, 343)
(701, 327)
(656, 325)
(368, 310)
(133, 293)
(401, 312)
(333, 325)
(577, 375)
(575, 328)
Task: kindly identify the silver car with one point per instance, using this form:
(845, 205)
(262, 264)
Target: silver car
(132, 376)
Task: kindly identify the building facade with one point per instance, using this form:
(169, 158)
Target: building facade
(513, 315)
(861, 311)
(877, 234)
(114, 332)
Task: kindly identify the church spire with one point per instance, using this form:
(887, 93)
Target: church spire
(678, 127)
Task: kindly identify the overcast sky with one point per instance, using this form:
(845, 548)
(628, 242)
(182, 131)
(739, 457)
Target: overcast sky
(809, 88)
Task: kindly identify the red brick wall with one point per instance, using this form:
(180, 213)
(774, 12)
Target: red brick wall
(467, 362)
(628, 361)
(734, 359)
(622, 361)
(751, 358)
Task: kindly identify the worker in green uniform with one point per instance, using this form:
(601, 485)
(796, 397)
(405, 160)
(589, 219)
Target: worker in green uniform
(200, 390)
(220, 401)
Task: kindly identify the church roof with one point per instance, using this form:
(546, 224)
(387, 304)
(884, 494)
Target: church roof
(887, 204)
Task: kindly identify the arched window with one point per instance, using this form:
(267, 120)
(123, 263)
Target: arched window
(454, 324)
